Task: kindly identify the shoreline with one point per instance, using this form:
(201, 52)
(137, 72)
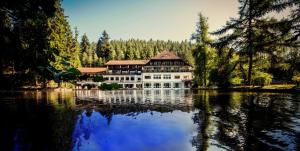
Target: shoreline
(252, 90)
(294, 90)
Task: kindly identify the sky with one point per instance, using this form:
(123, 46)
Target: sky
(144, 19)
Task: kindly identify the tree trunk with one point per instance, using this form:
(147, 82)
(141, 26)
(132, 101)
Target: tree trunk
(250, 42)
(44, 83)
(250, 68)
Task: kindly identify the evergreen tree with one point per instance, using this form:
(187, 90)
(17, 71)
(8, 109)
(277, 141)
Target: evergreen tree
(85, 44)
(95, 60)
(85, 59)
(203, 53)
(103, 46)
(112, 54)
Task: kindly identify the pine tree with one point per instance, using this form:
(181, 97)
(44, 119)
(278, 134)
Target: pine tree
(103, 46)
(241, 36)
(84, 59)
(85, 44)
(203, 53)
(95, 60)
(112, 54)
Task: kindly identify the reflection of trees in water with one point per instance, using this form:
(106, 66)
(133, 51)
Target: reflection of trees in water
(34, 124)
(247, 121)
(203, 118)
(270, 121)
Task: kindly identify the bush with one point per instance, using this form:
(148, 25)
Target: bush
(262, 78)
(236, 81)
(113, 86)
(296, 79)
(98, 78)
(88, 86)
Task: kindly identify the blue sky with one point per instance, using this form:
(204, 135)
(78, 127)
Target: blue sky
(145, 19)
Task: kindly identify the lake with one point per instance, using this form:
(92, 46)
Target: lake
(148, 120)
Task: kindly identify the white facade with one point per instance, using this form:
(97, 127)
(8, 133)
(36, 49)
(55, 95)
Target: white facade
(126, 81)
(166, 80)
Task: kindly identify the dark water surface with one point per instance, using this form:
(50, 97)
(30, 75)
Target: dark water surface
(148, 120)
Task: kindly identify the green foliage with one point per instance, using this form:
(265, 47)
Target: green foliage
(204, 54)
(98, 78)
(113, 86)
(296, 79)
(251, 33)
(103, 46)
(85, 44)
(236, 81)
(261, 78)
(88, 86)
(224, 71)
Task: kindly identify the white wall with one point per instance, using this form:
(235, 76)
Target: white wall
(183, 76)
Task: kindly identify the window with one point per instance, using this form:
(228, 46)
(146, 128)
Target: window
(157, 76)
(132, 78)
(177, 85)
(122, 78)
(186, 77)
(177, 77)
(127, 78)
(156, 85)
(147, 85)
(167, 76)
(147, 77)
(111, 78)
(117, 78)
(167, 85)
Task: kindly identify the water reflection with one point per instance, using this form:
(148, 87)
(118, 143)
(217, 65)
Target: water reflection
(156, 120)
(143, 132)
(143, 120)
(249, 121)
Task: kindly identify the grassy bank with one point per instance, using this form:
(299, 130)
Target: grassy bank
(284, 88)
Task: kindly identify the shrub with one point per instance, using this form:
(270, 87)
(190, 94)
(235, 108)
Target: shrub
(88, 86)
(262, 78)
(296, 79)
(236, 81)
(98, 78)
(113, 86)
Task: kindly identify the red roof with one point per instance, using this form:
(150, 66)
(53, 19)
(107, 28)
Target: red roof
(92, 69)
(127, 62)
(166, 55)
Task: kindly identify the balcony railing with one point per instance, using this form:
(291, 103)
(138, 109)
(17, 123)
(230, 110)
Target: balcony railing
(148, 71)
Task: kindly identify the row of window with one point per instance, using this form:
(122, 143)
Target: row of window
(167, 63)
(122, 78)
(158, 85)
(165, 76)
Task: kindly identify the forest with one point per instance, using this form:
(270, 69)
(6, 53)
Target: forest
(37, 44)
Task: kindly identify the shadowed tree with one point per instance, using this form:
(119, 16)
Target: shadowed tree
(203, 53)
(103, 46)
(240, 31)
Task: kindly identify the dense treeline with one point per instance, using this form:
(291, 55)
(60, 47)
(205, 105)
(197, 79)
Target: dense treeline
(37, 45)
(96, 54)
(252, 49)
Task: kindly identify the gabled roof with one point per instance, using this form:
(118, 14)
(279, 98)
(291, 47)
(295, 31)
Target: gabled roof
(166, 55)
(127, 62)
(92, 69)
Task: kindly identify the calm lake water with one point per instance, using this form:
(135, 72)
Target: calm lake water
(148, 120)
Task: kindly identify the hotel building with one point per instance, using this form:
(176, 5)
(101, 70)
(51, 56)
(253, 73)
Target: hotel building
(165, 70)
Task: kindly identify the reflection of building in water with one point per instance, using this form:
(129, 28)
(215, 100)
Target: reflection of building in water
(156, 96)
